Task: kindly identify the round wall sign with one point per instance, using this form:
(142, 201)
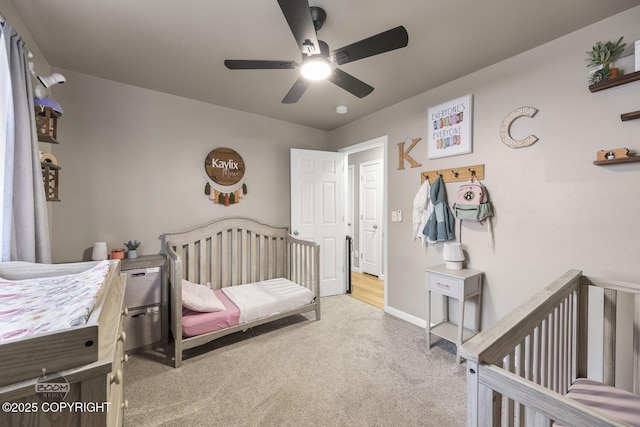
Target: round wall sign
(224, 166)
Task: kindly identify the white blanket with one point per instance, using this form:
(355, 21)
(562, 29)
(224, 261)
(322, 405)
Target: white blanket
(270, 297)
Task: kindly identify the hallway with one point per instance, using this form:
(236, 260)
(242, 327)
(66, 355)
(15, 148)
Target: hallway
(367, 288)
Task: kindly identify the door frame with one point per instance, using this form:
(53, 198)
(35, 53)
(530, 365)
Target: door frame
(362, 146)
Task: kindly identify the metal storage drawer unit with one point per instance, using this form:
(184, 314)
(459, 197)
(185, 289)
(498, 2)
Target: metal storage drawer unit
(146, 301)
(143, 287)
(142, 327)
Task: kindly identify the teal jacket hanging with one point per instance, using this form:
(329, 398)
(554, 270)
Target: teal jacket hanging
(441, 223)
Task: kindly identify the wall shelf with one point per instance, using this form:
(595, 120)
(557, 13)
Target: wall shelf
(607, 84)
(47, 124)
(50, 178)
(630, 116)
(620, 160)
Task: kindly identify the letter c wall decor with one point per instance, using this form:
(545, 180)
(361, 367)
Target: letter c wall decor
(506, 124)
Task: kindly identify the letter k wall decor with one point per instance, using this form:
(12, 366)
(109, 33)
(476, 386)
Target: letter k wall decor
(450, 128)
(225, 168)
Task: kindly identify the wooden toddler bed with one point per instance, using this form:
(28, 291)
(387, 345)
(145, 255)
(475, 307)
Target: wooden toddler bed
(239, 251)
(530, 367)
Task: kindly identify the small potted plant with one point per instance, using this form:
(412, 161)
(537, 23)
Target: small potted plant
(132, 248)
(601, 56)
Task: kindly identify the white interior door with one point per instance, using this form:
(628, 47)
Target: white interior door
(317, 185)
(370, 217)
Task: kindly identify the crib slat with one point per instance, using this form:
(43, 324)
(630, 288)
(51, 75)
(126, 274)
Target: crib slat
(245, 254)
(271, 248)
(544, 353)
(235, 261)
(215, 261)
(636, 344)
(536, 351)
(582, 332)
(224, 257)
(202, 262)
(191, 260)
(609, 334)
(562, 368)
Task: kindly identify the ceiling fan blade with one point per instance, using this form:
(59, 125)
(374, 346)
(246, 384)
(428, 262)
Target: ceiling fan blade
(392, 39)
(296, 91)
(298, 16)
(349, 83)
(243, 64)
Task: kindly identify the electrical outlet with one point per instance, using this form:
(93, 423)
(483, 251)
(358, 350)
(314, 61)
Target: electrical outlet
(394, 216)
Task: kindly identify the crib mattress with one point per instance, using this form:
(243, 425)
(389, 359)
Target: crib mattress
(48, 304)
(246, 303)
(611, 401)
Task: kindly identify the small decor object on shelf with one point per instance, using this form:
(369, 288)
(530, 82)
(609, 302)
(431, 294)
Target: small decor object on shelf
(99, 252)
(117, 253)
(132, 248)
(615, 155)
(601, 56)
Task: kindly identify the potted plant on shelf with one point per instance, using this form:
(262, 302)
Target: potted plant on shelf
(601, 56)
(132, 248)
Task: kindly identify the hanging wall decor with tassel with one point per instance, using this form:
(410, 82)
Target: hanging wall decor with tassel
(226, 170)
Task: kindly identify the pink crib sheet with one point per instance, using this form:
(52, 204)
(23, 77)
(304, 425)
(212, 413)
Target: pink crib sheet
(197, 323)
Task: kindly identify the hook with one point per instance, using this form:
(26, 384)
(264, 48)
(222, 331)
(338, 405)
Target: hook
(454, 172)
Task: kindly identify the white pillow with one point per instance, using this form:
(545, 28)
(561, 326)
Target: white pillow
(199, 298)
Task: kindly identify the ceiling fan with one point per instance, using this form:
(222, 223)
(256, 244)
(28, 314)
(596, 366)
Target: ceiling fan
(304, 22)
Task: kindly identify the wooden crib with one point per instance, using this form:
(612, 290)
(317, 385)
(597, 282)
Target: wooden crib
(236, 251)
(520, 369)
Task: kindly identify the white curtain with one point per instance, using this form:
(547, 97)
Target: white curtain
(23, 220)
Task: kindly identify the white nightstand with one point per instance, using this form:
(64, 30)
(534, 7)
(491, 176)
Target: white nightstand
(460, 285)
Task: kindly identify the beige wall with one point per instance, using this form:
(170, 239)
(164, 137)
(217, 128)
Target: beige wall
(554, 210)
(133, 164)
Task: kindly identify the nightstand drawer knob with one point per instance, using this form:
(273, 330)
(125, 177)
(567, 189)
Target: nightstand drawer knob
(125, 404)
(123, 336)
(125, 311)
(125, 358)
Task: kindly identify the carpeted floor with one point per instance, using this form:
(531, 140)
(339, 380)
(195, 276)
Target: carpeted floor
(356, 367)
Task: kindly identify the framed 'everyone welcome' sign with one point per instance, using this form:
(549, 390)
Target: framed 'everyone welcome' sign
(450, 128)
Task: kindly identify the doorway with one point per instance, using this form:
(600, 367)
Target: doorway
(366, 219)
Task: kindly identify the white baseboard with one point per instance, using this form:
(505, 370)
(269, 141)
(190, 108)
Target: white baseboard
(406, 317)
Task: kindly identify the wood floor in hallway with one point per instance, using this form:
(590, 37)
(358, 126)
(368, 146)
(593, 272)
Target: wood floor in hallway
(367, 288)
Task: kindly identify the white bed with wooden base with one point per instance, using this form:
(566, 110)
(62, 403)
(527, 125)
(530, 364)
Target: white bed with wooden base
(530, 367)
(88, 356)
(273, 267)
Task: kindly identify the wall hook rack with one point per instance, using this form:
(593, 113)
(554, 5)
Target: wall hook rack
(454, 175)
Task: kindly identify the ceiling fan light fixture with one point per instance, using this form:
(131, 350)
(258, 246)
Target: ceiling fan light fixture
(315, 69)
